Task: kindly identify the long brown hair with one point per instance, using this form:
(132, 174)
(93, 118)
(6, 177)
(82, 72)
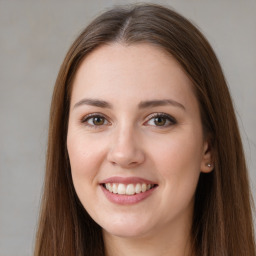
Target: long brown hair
(222, 223)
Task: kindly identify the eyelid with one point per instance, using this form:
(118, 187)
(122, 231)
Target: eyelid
(171, 119)
(85, 119)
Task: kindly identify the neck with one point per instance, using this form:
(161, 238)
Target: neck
(162, 242)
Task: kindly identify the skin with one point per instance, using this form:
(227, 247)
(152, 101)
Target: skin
(129, 142)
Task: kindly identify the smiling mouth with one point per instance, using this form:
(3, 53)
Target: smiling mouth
(128, 189)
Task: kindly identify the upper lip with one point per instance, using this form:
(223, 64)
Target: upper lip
(127, 180)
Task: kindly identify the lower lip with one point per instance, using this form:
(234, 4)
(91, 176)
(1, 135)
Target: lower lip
(127, 199)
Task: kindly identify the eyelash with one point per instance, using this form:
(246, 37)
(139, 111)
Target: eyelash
(167, 118)
(91, 116)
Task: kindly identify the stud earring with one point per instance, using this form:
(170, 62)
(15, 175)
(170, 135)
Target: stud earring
(209, 165)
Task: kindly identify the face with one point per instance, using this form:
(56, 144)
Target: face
(135, 140)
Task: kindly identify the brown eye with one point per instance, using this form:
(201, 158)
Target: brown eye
(95, 120)
(98, 120)
(160, 121)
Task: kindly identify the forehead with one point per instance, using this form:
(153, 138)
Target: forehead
(135, 71)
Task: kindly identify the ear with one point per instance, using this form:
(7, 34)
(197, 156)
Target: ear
(207, 164)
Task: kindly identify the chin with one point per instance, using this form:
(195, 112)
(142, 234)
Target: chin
(127, 231)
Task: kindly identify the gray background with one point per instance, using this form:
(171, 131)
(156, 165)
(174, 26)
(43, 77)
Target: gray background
(34, 37)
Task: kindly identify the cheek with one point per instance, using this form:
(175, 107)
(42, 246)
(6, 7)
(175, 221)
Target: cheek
(178, 161)
(85, 158)
(179, 150)
(178, 164)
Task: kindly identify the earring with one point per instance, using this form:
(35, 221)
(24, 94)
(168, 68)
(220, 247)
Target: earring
(209, 165)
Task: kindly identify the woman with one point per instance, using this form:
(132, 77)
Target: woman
(144, 153)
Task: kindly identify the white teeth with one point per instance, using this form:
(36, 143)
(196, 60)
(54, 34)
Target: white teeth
(129, 189)
(109, 187)
(114, 188)
(138, 188)
(143, 187)
(121, 189)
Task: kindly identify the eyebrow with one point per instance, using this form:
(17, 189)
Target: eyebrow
(157, 103)
(93, 102)
(142, 104)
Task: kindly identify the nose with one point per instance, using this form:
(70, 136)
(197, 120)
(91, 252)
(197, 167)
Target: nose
(126, 150)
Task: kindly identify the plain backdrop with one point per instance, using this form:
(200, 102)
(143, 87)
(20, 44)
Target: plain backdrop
(34, 38)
